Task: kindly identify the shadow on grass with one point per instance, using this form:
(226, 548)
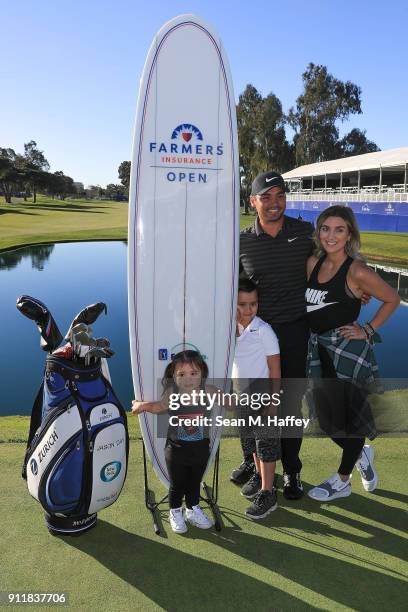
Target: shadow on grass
(15, 211)
(71, 208)
(364, 508)
(174, 579)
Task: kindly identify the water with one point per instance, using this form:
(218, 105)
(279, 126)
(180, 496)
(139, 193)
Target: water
(68, 277)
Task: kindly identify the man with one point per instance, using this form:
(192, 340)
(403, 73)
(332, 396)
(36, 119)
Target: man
(273, 255)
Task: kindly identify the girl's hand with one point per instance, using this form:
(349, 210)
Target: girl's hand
(353, 332)
(138, 407)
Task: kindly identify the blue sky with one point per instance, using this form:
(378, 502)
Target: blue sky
(70, 69)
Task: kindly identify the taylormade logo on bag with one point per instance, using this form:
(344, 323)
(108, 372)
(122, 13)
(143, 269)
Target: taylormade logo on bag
(47, 446)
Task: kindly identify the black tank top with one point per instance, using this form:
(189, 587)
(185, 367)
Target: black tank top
(328, 304)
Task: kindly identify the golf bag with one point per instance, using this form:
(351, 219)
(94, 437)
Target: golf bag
(77, 452)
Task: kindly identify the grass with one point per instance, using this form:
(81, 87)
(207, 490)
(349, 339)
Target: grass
(344, 555)
(24, 223)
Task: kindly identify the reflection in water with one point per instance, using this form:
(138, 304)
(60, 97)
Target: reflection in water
(394, 276)
(39, 255)
(67, 277)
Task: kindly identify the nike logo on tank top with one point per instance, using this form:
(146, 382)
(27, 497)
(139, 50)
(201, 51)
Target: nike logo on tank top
(328, 304)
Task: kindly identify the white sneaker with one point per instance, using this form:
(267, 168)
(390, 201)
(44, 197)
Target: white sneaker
(332, 488)
(197, 517)
(365, 465)
(177, 521)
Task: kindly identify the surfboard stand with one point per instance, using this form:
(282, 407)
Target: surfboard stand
(211, 495)
(150, 504)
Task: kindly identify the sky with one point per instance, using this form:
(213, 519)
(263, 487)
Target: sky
(70, 69)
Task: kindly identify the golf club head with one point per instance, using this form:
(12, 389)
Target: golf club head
(88, 315)
(37, 311)
(94, 354)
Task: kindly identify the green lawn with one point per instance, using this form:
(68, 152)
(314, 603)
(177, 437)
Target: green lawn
(23, 223)
(344, 555)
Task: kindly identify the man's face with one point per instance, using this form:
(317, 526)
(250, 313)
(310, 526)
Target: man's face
(247, 307)
(270, 206)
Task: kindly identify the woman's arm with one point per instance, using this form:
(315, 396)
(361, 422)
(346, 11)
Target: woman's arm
(311, 262)
(365, 280)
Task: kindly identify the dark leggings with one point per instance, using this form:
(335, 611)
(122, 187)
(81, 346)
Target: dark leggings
(186, 463)
(337, 407)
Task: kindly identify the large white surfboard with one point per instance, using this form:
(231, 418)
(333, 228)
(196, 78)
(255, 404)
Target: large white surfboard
(183, 214)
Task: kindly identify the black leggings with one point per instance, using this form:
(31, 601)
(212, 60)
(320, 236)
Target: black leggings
(338, 405)
(186, 463)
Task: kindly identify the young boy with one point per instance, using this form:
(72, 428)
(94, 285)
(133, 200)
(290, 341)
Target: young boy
(257, 358)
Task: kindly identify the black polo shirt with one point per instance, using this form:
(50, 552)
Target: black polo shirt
(278, 267)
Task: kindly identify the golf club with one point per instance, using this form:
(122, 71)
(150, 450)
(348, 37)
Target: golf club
(37, 311)
(88, 315)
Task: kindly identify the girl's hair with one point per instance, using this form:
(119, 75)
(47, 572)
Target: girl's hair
(192, 357)
(353, 245)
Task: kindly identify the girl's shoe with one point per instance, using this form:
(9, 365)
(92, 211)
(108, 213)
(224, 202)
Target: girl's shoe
(177, 522)
(197, 517)
(365, 465)
(332, 488)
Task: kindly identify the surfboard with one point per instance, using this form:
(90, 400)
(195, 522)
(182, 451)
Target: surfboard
(183, 215)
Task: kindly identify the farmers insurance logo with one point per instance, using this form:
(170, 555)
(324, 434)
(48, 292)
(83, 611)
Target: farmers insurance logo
(186, 155)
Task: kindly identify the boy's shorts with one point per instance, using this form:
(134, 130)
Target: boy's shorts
(263, 441)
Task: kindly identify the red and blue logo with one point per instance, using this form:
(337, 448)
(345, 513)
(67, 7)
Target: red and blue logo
(187, 152)
(186, 131)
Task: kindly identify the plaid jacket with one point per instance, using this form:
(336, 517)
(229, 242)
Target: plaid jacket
(353, 360)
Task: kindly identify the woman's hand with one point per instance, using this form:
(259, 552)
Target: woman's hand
(353, 331)
(138, 407)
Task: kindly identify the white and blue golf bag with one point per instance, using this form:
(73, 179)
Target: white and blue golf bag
(77, 454)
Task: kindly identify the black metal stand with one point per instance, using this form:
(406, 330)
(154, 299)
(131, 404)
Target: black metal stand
(211, 496)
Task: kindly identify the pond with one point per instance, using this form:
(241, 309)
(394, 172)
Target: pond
(68, 277)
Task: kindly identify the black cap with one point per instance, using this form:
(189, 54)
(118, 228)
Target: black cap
(266, 181)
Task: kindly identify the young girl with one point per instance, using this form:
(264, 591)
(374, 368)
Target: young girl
(187, 448)
(340, 349)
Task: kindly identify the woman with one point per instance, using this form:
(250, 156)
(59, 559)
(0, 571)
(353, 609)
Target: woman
(340, 349)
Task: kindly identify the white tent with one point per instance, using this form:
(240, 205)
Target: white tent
(392, 158)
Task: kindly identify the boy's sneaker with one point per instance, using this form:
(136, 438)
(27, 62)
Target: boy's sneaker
(332, 488)
(177, 522)
(292, 486)
(264, 503)
(365, 465)
(252, 487)
(243, 473)
(197, 517)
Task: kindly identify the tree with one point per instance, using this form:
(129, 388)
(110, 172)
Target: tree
(58, 184)
(116, 192)
(324, 101)
(262, 138)
(124, 174)
(11, 177)
(36, 165)
(356, 143)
